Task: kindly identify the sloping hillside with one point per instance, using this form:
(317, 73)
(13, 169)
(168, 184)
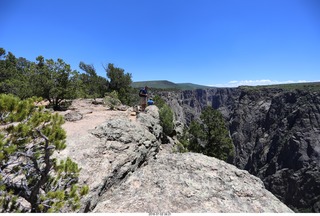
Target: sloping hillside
(164, 84)
(158, 84)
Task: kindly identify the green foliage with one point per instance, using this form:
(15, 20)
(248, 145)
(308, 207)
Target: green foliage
(166, 119)
(52, 80)
(28, 138)
(94, 86)
(159, 84)
(112, 100)
(120, 82)
(159, 101)
(210, 137)
(56, 82)
(165, 115)
(14, 75)
(49, 79)
(134, 96)
(167, 85)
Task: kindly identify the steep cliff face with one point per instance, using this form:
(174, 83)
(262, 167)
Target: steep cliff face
(276, 134)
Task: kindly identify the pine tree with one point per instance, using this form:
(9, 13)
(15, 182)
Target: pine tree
(93, 85)
(166, 119)
(120, 82)
(211, 136)
(52, 80)
(31, 180)
(165, 115)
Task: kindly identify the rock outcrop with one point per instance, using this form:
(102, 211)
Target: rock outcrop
(189, 182)
(122, 163)
(276, 134)
(73, 116)
(123, 147)
(150, 119)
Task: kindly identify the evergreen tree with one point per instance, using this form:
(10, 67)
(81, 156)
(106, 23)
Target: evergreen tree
(25, 81)
(8, 73)
(52, 80)
(166, 119)
(120, 82)
(211, 136)
(196, 137)
(29, 174)
(159, 101)
(165, 115)
(93, 85)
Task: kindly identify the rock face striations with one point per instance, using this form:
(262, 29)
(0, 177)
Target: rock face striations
(276, 134)
(126, 170)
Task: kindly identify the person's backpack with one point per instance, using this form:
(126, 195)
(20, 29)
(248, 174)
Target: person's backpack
(141, 92)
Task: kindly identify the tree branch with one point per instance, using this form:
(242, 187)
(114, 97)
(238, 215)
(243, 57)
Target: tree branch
(44, 175)
(33, 159)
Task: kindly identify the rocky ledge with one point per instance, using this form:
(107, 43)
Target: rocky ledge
(189, 182)
(122, 164)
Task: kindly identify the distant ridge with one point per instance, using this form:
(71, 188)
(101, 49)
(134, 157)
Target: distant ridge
(192, 86)
(307, 86)
(165, 84)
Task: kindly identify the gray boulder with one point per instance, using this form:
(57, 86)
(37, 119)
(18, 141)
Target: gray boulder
(189, 183)
(150, 119)
(73, 116)
(124, 146)
(178, 127)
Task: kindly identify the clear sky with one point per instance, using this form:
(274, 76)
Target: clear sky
(209, 42)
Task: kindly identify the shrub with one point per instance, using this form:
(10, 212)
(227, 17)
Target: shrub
(166, 119)
(28, 138)
(165, 114)
(111, 100)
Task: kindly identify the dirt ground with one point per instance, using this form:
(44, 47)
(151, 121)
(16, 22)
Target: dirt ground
(93, 115)
(78, 132)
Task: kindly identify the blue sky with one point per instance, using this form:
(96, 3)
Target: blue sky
(210, 42)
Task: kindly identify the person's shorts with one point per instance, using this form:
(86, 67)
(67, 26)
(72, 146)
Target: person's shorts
(143, 100)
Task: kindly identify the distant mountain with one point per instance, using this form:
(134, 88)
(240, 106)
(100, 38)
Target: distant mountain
(165, 84)
(191, 86)
(309, 86)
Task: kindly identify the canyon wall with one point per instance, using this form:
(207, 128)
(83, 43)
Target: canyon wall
(276, 134)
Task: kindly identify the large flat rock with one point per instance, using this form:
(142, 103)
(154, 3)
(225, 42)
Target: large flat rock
(189, 182)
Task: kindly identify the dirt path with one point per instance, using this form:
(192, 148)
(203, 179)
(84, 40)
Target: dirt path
(78, 132)
(93, 115)
(81, 144)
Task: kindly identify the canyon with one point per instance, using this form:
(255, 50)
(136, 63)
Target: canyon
(129, 168)
(276, 134)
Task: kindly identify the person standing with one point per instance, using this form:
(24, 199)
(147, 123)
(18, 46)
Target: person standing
(143, 97)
